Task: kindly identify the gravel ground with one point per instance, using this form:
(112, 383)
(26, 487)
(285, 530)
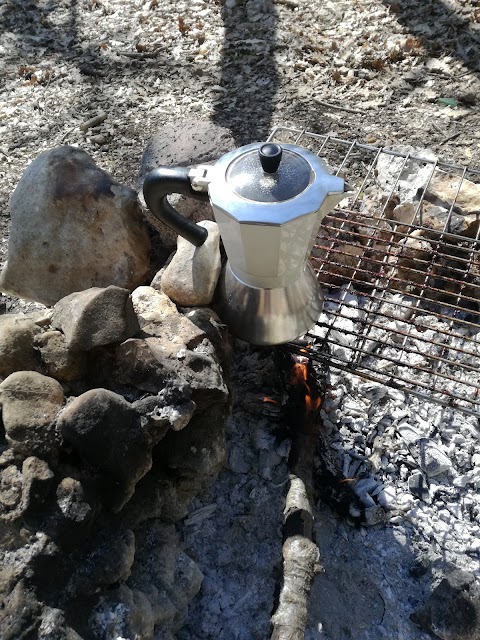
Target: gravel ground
(381, 72)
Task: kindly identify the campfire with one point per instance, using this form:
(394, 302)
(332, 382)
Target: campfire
(126, 488)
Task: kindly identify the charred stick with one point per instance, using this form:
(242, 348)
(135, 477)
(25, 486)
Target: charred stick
(301, 556)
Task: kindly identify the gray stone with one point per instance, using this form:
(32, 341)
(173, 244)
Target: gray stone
(73, 227)
(60, 362)
(53, 626)
(452, 612)
(136, 366)
(184, 143)
(411, 261)
(167, 576)
(10, 491)
(159, 316)
(30, 402)
(403, 213)
(95, 317)
(17, 351)
(191, 277)
(161, 415)
(418, 486)
(174, 352)
(163, 365)
(404, 178)
(440, 220)
(72, 502)
(215, 330)
(184, 465)
(198, 452)
(108, 562)
(19, 614)
(108, 434)
(432, 459)
(37, 481)
(153, 363)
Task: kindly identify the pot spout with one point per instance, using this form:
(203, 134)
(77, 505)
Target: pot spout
(337, 190)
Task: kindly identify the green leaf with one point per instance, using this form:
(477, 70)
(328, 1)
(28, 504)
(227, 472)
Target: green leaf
(448, 102)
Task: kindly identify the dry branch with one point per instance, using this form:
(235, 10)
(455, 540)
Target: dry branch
(301, 557)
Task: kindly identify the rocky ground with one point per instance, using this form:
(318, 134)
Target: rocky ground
(382, 72)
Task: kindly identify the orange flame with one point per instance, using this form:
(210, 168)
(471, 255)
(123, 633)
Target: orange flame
(299, 376)
(312, 403)
(271, 400)
(299, 372)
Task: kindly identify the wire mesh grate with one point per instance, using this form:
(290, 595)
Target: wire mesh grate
(400, 265)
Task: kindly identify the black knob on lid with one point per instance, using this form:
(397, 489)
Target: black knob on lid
(270, 155)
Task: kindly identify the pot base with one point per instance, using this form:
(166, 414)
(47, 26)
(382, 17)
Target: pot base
(269, 316)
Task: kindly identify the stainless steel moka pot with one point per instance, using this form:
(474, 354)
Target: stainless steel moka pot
(268, 201)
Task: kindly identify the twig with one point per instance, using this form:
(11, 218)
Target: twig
(93, 122)
(448, 138)
(138, 54)
(339, 107)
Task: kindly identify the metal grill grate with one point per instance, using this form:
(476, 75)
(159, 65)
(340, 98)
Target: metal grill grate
(401, 270)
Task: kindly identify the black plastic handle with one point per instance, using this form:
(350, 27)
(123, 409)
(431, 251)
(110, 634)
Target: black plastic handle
(164, 181)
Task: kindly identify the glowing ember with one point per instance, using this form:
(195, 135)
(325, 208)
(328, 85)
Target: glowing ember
(271, 400)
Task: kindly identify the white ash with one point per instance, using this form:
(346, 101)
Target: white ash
(234, 531)
(384, 436)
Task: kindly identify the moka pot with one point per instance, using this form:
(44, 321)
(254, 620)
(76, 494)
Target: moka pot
(268, 201)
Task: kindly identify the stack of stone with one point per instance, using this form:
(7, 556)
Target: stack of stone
(114, 403)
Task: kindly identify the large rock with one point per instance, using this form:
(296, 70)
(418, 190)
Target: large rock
(74, 512)
(153, 363)
(73, 227)
(108, 434)
(191, 277)
(10, 492)
(108, 561)
(183, 361)
(17, 351)
(30, 403)
(404, 177)
(60, 362)
(95, 317)
(452, 612)
(175, 351)
(166, 575)
(184, 143)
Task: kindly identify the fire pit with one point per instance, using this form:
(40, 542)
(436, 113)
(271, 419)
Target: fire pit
(399, 263)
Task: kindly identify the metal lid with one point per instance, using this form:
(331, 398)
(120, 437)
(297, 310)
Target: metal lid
(269, 174)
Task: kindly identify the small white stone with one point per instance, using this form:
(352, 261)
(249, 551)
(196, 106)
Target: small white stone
(191, 277)
(461, 481)
(408, 432)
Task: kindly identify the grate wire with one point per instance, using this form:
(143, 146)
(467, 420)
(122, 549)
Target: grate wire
(402, 294)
